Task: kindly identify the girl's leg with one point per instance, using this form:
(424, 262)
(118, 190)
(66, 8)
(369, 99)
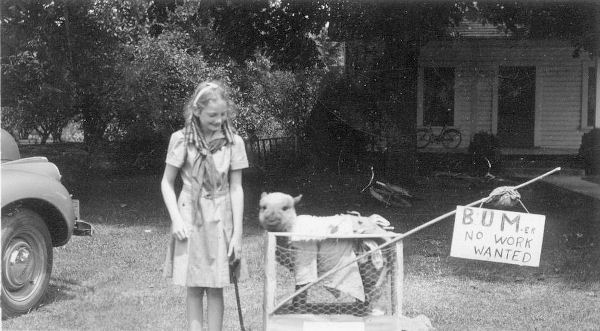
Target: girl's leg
(214, 308)
(194, 308)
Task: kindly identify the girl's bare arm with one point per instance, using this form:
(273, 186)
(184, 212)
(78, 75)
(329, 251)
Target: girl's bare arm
(237, 206)
(167, 187)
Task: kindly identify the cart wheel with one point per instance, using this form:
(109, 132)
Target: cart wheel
(389, 198)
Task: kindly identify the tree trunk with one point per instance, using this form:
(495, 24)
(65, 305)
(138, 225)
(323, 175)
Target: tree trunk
(56, 136)
(44, 137)
(596, 54)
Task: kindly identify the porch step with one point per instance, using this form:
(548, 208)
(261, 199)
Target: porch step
(542, 161)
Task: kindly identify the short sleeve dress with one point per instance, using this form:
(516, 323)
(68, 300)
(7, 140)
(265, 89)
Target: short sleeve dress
(201, 260)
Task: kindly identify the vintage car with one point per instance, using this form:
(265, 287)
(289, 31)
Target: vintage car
(37, 214)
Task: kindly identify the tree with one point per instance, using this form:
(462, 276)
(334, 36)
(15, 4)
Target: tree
(278, 96)
(35, 69)
(56, 60)
(569, 20)
(278, 29)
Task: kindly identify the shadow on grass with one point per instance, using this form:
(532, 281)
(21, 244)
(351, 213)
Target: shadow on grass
(64, 290)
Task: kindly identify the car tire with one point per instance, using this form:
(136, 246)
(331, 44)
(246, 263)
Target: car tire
(26, 261)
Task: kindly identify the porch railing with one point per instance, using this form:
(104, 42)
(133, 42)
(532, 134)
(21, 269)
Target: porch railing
(270, 152)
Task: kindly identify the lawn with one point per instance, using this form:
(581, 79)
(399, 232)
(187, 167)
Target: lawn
(112, 281)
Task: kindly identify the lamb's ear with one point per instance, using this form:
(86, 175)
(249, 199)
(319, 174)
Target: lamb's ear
(297, 199)
(262, 195)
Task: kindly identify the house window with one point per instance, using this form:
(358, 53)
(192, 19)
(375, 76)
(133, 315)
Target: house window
(591, 111)
(438, 96)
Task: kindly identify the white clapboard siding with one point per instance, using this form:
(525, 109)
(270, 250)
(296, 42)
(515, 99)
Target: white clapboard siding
(558, 96)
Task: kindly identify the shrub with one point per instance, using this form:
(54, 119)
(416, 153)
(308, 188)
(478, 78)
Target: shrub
(275, 102)
(334, 129)
(161, 74)
(141, 151)
(148, 102)
(484, 146)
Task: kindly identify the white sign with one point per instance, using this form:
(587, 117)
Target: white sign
(498, 236)
(333, 326)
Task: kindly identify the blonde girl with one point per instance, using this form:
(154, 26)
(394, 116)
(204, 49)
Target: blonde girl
(206, 219)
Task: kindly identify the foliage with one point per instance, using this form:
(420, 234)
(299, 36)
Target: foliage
(337, 123)
(279, 29)
(56, 63)
(12, 121)
(124, 68)
(358, 120)
(36, 78)
(72, 132)
(153, 88)
(284, 96)
(572, 21)
(330, 52)
(589, 150)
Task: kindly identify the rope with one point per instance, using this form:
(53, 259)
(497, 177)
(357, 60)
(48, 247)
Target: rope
(504, 196)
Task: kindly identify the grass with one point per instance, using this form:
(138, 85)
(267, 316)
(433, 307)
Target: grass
(112, 281)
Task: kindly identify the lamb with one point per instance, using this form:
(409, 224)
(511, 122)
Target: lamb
(278, 214)
(317, 255)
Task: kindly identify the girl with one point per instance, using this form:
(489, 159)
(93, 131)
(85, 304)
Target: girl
(206, 220)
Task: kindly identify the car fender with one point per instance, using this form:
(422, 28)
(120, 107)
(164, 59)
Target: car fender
(41, 192)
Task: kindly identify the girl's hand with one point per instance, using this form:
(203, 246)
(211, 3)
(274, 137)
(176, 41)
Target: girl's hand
(179, 231)
(235, 248)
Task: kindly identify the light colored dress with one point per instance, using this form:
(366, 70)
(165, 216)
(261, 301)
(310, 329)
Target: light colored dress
(201, 260)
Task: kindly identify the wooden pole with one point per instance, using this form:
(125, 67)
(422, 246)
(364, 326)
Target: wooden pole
(270, 278)
(398, 238)
(398, 280)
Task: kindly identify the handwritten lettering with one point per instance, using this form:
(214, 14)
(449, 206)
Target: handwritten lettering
(467, 216)
(502, 253)
(513, 221)
(498, 236)
(513, 241)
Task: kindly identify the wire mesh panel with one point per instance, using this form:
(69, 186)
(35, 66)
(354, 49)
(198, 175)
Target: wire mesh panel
(331, 280)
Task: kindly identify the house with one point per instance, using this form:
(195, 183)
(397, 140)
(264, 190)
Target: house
(534, 95)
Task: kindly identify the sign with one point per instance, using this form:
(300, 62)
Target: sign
(498, 236)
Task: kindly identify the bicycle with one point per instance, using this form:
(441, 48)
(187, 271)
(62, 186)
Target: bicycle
(389, 194)
(450, 138)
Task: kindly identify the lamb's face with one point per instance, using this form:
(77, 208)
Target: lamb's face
(277, 213)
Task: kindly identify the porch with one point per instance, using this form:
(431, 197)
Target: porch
(509, 151)
(519, 162)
